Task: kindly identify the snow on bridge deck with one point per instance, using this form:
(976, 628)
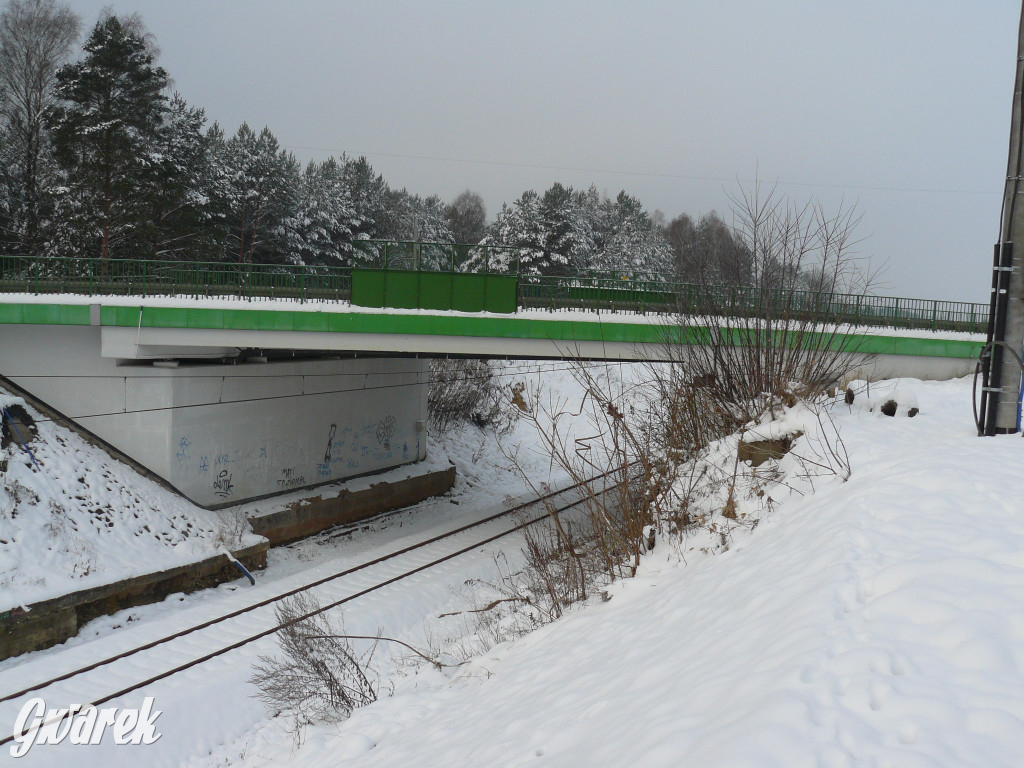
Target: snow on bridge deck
(135, 327)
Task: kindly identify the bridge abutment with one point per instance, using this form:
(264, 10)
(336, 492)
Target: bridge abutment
(226, 432)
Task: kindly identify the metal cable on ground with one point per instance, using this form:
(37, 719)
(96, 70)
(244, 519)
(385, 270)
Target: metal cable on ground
(272, 630)
(978, 370)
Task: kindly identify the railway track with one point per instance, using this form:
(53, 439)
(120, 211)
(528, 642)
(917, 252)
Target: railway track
(561, 500)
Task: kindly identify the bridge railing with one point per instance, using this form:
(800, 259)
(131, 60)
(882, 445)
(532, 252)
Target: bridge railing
(608, 292)
(145, 277)
(617, 294)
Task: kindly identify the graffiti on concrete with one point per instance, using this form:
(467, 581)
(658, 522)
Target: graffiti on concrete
(223, 486)
(290, 478)
(182, 454)
(386, 430)
(330, 442)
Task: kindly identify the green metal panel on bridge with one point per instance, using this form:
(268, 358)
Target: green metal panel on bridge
(439, 291)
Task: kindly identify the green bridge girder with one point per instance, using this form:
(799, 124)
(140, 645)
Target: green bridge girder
(582, 327)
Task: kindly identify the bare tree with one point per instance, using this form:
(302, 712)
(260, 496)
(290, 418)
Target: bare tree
(467, 218)
(749, 347)
(36, 38)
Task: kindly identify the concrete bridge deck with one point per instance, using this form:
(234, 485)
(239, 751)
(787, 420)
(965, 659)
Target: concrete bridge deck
(148, 329)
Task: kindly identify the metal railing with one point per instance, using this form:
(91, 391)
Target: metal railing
(619, 293)
(195, 279)
(595, 292)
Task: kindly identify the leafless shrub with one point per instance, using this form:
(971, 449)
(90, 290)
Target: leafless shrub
(466, 391)
(823, 453)
(653, 453)
(231, 530)
(320, 677)
(604, 445)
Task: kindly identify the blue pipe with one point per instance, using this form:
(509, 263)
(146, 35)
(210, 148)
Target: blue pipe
(22, 440)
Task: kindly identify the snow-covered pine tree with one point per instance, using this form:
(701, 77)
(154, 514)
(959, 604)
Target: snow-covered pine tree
(325, 218)
(10, 241)
(261, 191)
(636, 246)
(370, 198)
(182, 207)
(569, 239)
(105, 132)
(520, 227)
(369, 194)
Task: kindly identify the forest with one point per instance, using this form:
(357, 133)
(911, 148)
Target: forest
(100, 158)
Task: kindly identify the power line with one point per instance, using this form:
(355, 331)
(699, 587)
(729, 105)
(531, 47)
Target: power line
(555, 364)
(268, 398)
(647, 174)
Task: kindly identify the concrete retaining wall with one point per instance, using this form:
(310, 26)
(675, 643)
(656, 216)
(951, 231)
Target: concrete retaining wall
(313, 515)
(222, 434)
(49, 622)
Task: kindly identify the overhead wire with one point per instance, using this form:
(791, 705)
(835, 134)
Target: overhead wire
(647, 174)
(268, 398)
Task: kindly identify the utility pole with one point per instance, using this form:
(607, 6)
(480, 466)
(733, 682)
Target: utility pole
(1001, 362)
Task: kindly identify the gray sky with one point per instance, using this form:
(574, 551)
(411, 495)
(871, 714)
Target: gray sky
(899, 106)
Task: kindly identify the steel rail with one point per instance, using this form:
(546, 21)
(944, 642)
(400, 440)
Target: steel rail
(271, 600)
(272, 630)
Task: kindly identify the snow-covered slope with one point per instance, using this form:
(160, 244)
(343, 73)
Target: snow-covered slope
(83, 518)
(877, 622)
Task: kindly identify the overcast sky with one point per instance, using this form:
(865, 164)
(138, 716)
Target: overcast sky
(900, 106)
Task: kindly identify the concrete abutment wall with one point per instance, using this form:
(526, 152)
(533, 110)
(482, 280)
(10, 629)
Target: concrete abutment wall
(226, 433)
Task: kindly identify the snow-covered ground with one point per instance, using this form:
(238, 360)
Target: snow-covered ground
(876, 622)
(72, 517)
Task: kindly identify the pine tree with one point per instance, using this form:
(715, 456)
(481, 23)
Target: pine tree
(261, 189)
(106, 136)
(369, 193)
(181, 206)
(568, 236)
(520, 227)
(636, 246)
(325, 217)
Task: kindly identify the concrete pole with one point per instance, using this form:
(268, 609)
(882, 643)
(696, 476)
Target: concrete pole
(1012, 226)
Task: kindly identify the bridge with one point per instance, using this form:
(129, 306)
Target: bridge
(235, 381)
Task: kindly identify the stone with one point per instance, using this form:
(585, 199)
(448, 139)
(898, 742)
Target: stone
(17, 426)
(757, 452)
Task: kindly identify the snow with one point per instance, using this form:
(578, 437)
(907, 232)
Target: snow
(86, 519)
(331, 306)
(873, 622)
